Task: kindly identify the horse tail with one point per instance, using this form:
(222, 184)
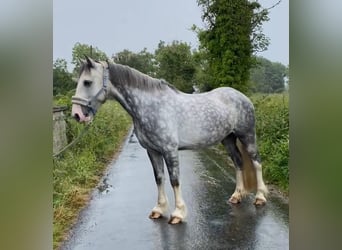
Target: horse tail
(248, 170)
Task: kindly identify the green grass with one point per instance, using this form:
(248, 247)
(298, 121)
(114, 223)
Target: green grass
(272, 128)
(77, 170)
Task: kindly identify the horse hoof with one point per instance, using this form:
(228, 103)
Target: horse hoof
(234, 200)
(259, 202)
(175, 220)
(155, 215)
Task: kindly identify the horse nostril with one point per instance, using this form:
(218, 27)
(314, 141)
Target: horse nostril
(77, 117)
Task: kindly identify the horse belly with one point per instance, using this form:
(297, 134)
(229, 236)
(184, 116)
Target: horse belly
(203, 123)
(200, 135)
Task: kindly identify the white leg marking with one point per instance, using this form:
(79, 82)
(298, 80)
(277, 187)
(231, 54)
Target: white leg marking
(262, 189)
(162, 204)
(239, 181)
(180, 212)
(239, 189)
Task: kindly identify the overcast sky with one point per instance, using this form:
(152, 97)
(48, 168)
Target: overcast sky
(113, 25)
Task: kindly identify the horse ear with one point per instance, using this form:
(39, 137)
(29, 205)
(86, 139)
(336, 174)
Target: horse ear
(90, 62)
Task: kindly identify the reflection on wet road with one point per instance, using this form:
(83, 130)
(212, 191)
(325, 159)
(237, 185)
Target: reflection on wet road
(117, 217)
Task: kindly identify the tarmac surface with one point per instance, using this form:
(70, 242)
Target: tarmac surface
(117, 215)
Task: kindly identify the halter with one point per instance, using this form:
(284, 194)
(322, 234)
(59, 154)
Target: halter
(89, 103)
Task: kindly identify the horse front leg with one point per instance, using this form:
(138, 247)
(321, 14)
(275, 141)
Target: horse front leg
(158, 169)
(172, 162)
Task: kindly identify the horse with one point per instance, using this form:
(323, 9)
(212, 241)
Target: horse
(167, 120)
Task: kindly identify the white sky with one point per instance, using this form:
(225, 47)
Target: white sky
(113, 25)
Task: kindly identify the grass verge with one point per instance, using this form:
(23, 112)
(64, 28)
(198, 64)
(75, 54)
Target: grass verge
(77, 170)
(272, 128)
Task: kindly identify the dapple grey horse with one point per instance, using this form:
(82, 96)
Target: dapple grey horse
(167, 120)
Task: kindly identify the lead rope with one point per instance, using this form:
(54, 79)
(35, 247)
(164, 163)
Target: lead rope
(84, 130)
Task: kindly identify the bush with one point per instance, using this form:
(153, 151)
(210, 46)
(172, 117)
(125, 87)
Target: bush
(78, 169)
(272, 128)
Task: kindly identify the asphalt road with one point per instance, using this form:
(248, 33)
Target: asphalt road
(117, 216)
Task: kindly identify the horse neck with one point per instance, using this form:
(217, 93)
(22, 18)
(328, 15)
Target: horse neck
(135, 90)
(127, 96)
(122, 97)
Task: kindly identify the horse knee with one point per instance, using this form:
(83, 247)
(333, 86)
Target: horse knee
(174, 181)
(159, 179)
(174, 176)
(172, 163)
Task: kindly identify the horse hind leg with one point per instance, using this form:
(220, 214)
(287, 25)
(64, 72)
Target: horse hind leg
(230, 144)
(250, 147)
(158, 169)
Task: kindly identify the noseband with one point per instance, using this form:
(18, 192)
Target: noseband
(89, 103)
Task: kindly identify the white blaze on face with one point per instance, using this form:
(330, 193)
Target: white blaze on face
(77, 111)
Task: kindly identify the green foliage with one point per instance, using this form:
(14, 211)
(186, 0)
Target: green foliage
(233, 33)
(267, 76)
(203, 80)
(80, 50)
(62, 79)
(78, 169)
(272, 128)
(142, 61)
(176, 65)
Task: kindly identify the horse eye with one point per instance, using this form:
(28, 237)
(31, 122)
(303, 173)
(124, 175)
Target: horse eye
(87, 83)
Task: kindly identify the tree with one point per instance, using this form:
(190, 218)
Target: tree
(202, 79)
(267, 76)
(62, 79)
(232, 35)
(80, 50)
(176, 65)
(142, 61)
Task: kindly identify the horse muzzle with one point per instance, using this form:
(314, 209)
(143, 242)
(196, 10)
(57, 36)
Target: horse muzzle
(81, 113)
(82, 110)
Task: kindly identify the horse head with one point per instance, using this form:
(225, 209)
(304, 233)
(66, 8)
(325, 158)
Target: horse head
(91, 90)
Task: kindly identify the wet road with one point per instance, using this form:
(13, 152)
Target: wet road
(117, 216)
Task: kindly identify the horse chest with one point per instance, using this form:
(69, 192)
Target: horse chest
(151, 138)
(142, 138)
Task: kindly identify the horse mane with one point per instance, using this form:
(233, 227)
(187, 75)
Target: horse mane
(127, 76)
(84, 67)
